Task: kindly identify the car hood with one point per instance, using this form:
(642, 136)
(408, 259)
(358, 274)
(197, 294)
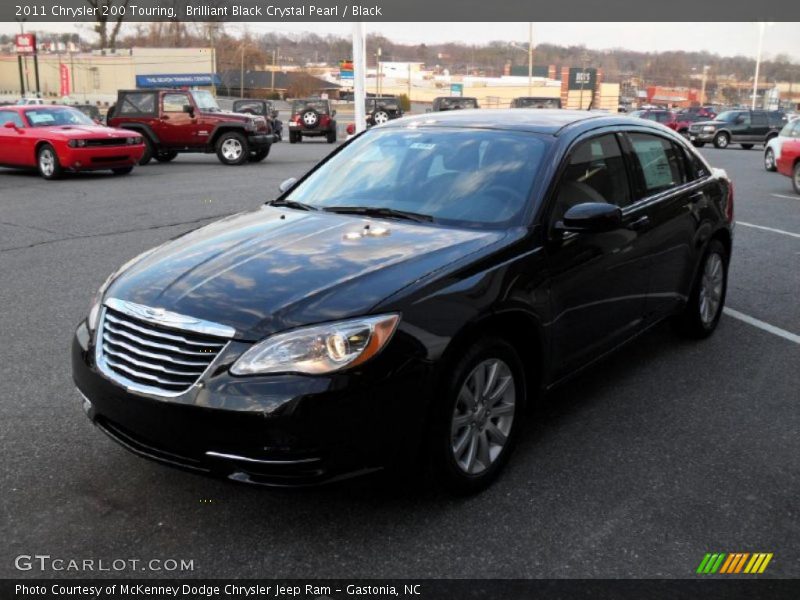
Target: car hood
(274, 269)
(84, 131)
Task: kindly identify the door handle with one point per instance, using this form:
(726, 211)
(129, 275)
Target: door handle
(696, 196)
(639, 223)
(165, 118)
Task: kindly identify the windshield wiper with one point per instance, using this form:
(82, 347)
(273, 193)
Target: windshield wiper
(292, 204)
(380, 211)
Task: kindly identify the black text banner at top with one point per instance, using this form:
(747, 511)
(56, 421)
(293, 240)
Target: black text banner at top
(33, 11)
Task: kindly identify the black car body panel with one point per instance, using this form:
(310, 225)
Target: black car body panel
(566, 298)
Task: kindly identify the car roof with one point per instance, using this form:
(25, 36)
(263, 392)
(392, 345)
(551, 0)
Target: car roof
(542, 120)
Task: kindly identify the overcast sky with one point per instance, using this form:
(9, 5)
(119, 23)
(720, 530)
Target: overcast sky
(727, 39)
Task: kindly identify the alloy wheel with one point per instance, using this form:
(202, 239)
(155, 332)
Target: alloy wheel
(232, 149)
(711, 288)
(769, 160)
(47, 162)
(483, 416)
(380, 117)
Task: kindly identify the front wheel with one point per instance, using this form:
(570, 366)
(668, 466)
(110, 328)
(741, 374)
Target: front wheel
(769, 160)
(232, 148)
(702, 312)
(748, 146)
(48, 163)
(149, 151)
(165, 157)
(122, 170)
(332, 136)
(259, 155)
(478, 420)
(722, 140)
(698, 144)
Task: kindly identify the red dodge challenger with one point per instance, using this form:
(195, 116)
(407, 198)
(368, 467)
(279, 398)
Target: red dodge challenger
(55, 139)
(789, 162)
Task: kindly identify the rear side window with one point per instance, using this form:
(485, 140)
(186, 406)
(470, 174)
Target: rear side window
(143, 103)
(660, 163)
(759, 119)
(9, 116)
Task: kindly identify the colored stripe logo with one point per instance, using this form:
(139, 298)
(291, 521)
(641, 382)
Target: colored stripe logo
(734, 563)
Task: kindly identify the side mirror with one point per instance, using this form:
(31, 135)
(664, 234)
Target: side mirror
(288, 184)
(592, 217)
(739, 120)
(189, 109)
(333, 113)
(10, 125)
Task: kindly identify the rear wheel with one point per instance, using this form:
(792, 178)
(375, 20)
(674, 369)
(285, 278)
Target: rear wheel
(477, 423)
(295, 137)
(379, 117)
(704, 309)
(232, 148)
(165, 157)
(747, 146)
(260, 154)
(48, 164)
(722, 140)
(698, 144)
(769, 160)
(122, 170)
(796, 178)
(332, 135)
(149, 151)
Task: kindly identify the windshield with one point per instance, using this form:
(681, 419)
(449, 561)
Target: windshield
(461, 177)
(48, 117)
(538, 103)
(321, 106)
(728, 115)
(205, 100)
(254, 107)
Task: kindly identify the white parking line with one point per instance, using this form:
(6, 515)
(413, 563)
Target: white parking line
(773, 230)
(787, 197)
(787, 335)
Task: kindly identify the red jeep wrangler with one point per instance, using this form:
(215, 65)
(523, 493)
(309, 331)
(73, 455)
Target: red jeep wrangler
(312, 117)
(174, 121)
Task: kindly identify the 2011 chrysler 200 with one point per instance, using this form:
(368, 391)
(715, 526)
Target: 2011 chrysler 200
(407, 297)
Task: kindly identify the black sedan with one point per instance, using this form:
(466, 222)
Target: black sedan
(407, 298)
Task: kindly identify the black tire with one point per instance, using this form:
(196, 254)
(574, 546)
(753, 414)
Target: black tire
(690, 323)
(331, 136)
(149, 151)
(721, 140)
(748, 146)
(122, 170)
(295, 137)
(769, 160)
(48, 164)
(232, 148)
(698, 144)
(165, 157)
(260, 154)
(796, 178)
(440, 450)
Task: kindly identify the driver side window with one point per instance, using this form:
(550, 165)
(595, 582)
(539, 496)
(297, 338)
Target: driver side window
(175, 102)
(595, 173)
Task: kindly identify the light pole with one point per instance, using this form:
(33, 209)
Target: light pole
(529, 50)
(703, 87)
(359, 76)
(761, 27)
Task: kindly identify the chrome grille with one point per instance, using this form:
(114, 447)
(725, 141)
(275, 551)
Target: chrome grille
(145, 355)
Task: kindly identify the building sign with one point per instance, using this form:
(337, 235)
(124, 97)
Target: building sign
(25, 43)
(177, 80)
(582, 78)
(456, 89)
(64, 80)
(345, 69)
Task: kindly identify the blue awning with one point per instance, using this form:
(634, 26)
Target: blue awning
(177, 80)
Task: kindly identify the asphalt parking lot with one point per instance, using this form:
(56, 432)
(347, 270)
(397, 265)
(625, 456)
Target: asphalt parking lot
(670, 450)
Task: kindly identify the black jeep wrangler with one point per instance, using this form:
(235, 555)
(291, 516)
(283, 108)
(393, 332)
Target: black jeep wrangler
(262, 108)
(174, 121)
(312, 117)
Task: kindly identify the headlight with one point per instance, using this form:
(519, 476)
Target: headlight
(133, 140)
(708, 128)
(319, 349)
(76, 143)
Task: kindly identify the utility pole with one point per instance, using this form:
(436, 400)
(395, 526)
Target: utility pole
(359, 76)
(241, 74)
(584, 58)
(274, 61)
(703, 88)
(761, 28)
(530, 59)
(378, 72)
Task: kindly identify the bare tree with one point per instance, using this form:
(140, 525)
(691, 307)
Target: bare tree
(109, 13)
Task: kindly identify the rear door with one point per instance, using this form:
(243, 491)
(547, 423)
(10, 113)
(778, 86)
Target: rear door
(741, 127)
(759, 126)
(671, 188)
(598, 281)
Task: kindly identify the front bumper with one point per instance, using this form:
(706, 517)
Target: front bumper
(701, 136)
(260, 140)
(94, 158)
(278, 430)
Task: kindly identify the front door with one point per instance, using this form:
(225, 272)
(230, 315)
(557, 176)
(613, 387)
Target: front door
(176, 128)
(13, 146)
(598, 281)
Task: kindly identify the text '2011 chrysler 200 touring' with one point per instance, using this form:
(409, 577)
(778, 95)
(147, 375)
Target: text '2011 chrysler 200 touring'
(407, 297)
